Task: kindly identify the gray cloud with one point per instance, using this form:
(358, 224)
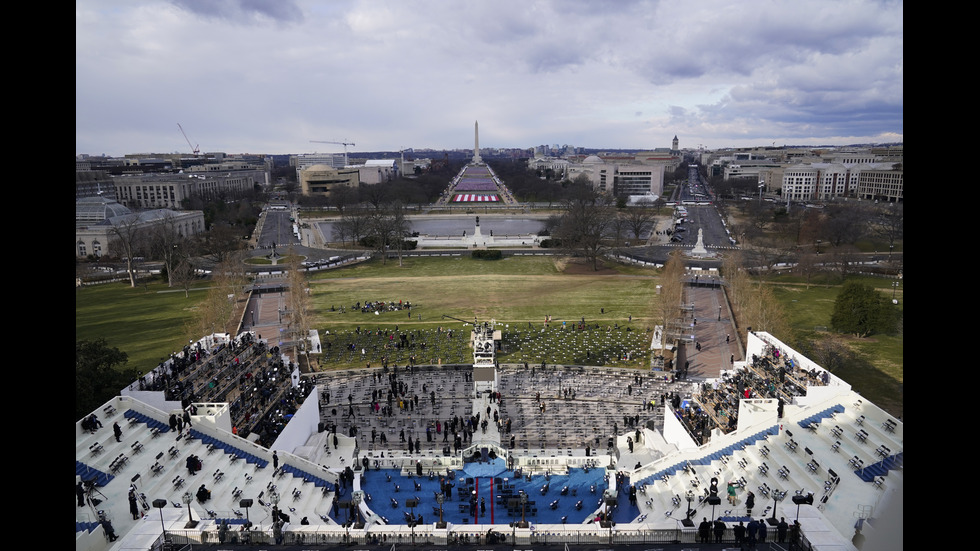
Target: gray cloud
(244, 11)
(268, 76)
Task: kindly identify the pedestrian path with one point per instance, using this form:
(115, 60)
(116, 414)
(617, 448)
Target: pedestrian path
(710, 326)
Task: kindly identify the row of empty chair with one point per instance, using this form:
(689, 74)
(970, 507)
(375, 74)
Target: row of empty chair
(236, 453)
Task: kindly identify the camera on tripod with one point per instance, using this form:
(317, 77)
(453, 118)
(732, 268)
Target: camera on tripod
(90, 492)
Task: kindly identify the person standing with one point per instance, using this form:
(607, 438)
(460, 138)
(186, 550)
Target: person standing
(781, 529)
(731, 493)
(80, 493)
(794, 533)
(133, 506)
(117, 431)
(704, 530)
(751, 530)
(739, 532)
(275, 461)
(762, 532)
(719, 530)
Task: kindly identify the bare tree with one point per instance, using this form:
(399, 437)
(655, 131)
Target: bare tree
(342, 197)
(351, 226)
(889, 223)
(806, 266)
(220, 242)
(169, 246)
(388, 226)
(845, 224)
(182, 275)
(671, 295)
(129, 241)
(738, 285)
(831, 352)
(299, 305)
(214, 313)
(639, 221)
(765, 313)
(586, 220)
(375, 194)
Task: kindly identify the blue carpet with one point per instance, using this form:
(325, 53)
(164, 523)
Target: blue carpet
(495, 467)
(576, 496)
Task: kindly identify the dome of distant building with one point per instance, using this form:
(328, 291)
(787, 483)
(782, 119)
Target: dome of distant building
(591, 159)
(93, 210)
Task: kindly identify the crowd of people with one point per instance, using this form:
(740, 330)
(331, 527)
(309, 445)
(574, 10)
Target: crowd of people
(770, 376)
(377, 307)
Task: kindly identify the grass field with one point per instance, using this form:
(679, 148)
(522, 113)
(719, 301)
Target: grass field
(511, 290)
(148, 324)
(877, 369)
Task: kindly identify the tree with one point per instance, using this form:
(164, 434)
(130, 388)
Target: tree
(586, 219)
(129, 242)
(353, 225)
(342, 197)
(387, 227)
(375, 194)
(639, 221)
(220, 242)
(214, 314)
(299, 305)
(889, 223)
(806, 266)
(182, 275)
(671, 294)
(830, 352)
(98, 374)
(765, 313)
(860, 310)
(169, 246)
(844, 224)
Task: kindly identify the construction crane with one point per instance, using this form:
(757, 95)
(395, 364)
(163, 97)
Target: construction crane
(195, 149)
(345, 144)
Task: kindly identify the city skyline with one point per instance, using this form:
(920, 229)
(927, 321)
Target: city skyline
(270, 76)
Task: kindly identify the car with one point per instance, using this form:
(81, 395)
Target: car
(676, 238)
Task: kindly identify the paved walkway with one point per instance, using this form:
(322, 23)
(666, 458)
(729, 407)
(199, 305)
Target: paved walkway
(710, 324)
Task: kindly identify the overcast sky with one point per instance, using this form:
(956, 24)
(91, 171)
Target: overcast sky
(268, 76)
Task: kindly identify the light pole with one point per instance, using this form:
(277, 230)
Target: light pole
(440, 498)
(187, 498)
(274, 497)
(160, 504)
(762, 186)
(355, 501)
(523, 523)
(800, 500)
(690, 499)
(777, 496)
(246, 503)
(894, 287)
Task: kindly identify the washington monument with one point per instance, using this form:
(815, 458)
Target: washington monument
(476, 143)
